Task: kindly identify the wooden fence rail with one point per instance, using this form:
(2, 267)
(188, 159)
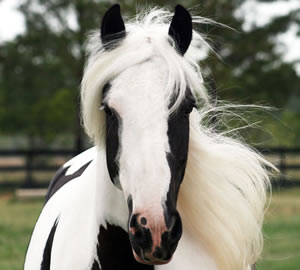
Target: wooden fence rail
(283, 154)
(30, 165)
(281, 157)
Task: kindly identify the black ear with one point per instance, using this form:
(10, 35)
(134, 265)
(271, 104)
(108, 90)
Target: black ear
(112, 27)
(181, 29)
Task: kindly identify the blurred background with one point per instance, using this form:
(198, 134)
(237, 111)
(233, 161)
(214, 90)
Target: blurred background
(41, 63)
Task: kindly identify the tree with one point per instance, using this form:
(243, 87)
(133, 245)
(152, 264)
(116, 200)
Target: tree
(42, 68)
(252, 71)
(40, 71)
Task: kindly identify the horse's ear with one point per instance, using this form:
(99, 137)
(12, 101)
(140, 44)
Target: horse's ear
(112, 27)
(181, 29)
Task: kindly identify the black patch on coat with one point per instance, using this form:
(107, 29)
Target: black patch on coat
(181, 29)
(112, 27)
(105, 90)
(60, 179)
(114, 250)
(129, 203)
(178, 134)
(113, 130)
(96, 266)
(48, 248)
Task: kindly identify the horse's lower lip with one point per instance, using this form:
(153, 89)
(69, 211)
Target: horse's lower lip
(150, 262)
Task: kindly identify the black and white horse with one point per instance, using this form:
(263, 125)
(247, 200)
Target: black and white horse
(160, 189)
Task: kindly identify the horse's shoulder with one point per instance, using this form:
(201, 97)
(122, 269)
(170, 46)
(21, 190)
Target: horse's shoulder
(70, 170)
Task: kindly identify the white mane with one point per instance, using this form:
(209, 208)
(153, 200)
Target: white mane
(222, 197)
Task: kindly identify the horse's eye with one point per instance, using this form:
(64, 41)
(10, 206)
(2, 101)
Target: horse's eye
(107, 110)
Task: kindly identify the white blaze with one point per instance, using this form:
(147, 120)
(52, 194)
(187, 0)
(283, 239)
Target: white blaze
(138, 96)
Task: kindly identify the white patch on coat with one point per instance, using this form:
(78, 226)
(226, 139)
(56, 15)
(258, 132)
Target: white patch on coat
(82, 205)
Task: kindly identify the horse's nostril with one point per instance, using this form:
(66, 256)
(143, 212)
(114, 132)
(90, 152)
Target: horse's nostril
(143, 221)
(136, 222)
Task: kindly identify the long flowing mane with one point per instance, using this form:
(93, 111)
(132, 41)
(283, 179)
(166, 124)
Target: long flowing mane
(223, 194)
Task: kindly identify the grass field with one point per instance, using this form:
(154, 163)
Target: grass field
(16, 222)
(282, 231)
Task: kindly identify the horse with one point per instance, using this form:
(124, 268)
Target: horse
(162, 188)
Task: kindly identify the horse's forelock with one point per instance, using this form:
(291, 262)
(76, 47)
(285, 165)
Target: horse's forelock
(146, 37)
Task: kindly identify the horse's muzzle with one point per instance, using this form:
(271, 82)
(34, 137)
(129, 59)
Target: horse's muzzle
(154, 242)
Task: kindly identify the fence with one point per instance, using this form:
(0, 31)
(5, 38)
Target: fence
(32, 161)
(287, 161)
(29, 161)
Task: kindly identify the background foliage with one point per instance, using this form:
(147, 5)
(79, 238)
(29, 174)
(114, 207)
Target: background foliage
(41, 69)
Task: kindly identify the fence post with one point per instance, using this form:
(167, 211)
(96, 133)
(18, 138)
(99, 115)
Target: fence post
(282, 164)
(29, 181)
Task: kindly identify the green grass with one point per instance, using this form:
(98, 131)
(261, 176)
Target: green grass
(282, 231)
(17, 219)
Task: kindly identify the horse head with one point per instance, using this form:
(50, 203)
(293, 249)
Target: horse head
(147, 139)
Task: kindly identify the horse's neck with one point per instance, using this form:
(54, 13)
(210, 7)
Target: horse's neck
(111, 206)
